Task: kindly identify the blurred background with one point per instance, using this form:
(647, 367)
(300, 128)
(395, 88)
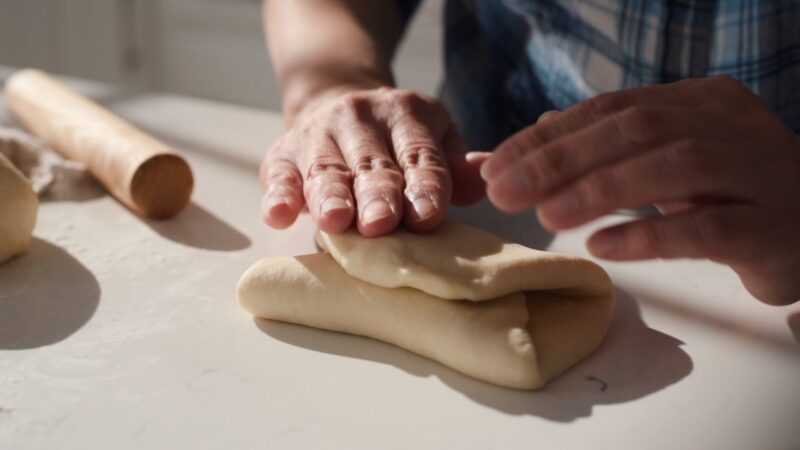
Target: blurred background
(211, 49)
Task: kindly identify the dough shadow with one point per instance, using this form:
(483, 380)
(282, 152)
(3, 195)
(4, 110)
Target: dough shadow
(523, 228)
(634, 361)
(45, 296)
(657, 300)
(794, 325)
(196, 227)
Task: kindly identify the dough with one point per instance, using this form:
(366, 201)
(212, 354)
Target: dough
(489, 308)
(18, 207)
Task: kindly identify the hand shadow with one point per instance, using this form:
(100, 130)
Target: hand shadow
(632, 362)
(45, 296)
(196, 227)
(794, 325)
(523, 227)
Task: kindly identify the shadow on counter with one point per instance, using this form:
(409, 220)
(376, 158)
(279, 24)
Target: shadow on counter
(522, 228)
(196, 227)
(794, 326)
(45, 296)
(634, 361)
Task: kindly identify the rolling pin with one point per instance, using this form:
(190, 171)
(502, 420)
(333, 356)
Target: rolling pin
(141, 172)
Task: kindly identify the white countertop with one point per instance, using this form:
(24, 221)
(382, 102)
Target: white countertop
(121, 333)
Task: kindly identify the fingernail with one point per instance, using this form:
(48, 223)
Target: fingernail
(375, 211)
(333, 204)
(477, 156)
(424, 208)
(270, 202)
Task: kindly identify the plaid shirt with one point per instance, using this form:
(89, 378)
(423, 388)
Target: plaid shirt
(508, 61)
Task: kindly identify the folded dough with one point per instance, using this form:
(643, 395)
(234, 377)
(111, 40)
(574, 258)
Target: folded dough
(18, 207)
(489, 308)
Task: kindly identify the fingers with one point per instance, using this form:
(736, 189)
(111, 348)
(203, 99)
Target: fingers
(428, 185)
(282, 185)
(689, 94)
(552, 126)
(689, 169)
(634, 131)
(326, 186)
(377, 181)
(377, 156)
(713, 232)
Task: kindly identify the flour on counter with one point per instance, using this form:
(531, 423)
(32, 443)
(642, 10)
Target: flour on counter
(51, 176)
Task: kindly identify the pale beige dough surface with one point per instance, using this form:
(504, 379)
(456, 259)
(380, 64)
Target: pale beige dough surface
(529, 316)
(18, 208)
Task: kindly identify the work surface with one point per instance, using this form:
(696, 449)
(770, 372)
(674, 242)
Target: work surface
(116, 332)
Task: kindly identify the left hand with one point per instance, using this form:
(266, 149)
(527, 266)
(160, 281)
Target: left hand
(723, 169)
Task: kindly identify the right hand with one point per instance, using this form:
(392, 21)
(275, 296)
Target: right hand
(378, 156)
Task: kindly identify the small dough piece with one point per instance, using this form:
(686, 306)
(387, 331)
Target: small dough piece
(531, 314)
(18, 208)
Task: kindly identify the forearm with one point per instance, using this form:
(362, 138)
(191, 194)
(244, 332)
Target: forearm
(319, 46)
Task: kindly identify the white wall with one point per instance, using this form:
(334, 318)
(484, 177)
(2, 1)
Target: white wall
(98, 39)
(216, 50)
(420, 62)
(206, 48)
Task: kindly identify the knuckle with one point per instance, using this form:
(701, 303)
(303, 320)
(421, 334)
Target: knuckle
(276, 149)
(362, 144)
(327, 167)
(422, 155)
(406, 96)
(639, 125)
(284, 177)
(405, 100)
(727, 88)
(712, 231)
(689, 158)
(280, 177)
(725, 82)
(368, 164)
(650, 235)
(277, 167)
(431, 182)
(600, 189)
(517, 147)
(409, 103)
(604, 104)
(385, 90)
(550, 164)
(351, 105)
(541, 133)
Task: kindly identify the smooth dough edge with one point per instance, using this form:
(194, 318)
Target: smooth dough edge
(488, 340)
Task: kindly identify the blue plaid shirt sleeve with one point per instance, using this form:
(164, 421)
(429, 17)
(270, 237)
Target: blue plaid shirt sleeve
(508, 61)
(407, 9)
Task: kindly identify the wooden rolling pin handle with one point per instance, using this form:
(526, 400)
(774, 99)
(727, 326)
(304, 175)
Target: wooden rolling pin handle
(141, 172)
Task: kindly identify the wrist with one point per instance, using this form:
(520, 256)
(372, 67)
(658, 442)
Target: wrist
(303, 93)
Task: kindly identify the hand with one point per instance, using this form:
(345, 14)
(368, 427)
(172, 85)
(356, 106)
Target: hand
(723, 169)
(379, 155)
